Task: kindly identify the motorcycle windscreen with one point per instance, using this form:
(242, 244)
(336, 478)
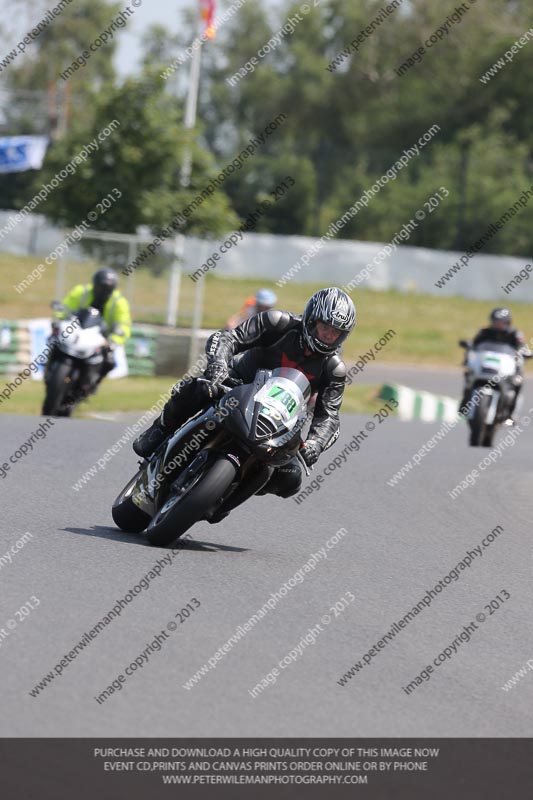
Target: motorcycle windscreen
(89, 317)
(296, 377)
(495, 347)
(496, 358)
(284, 396)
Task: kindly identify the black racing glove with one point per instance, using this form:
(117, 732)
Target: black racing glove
(215, 372)
(310, 451)
(209, 388)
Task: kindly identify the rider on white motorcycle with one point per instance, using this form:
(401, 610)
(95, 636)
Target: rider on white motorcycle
(501, 332)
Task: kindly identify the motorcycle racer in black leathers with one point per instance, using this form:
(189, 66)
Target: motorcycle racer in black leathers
(500, 331)
(309, 343)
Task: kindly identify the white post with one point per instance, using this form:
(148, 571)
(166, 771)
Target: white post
(190, 113)
(185, 178)
(175, 281)
(132, 252)
(60, 275)
(198, 309)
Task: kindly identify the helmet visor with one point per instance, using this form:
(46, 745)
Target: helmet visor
(326, 333)
(102, 293)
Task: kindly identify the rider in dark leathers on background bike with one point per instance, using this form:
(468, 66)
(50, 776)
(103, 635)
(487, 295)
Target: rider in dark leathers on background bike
(309, 343)
(500, 331)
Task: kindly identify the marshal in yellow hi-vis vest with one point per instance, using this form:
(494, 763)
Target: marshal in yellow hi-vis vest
(113, 306)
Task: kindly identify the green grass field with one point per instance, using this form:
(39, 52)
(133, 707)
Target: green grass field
(427, 328)
(139, 394)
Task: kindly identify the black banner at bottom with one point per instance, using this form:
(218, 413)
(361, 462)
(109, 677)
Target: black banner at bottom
(377, 769)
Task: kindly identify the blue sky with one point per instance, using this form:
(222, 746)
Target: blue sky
(165, 12)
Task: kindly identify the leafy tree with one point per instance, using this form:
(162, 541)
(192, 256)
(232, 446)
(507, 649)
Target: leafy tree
(141, 159)
(35, 99)
(347, 120)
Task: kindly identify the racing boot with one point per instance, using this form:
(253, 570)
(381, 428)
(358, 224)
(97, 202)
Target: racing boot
(148, 442)
(182, 404)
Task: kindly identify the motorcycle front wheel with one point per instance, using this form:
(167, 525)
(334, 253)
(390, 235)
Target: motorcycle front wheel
(180, 511)
(57, 386)
(479, 430)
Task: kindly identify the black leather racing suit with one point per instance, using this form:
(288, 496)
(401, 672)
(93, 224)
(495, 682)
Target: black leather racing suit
(269, 340)
(515, 339)
(511, 336)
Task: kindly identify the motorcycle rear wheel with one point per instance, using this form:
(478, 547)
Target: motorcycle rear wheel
(126, 515)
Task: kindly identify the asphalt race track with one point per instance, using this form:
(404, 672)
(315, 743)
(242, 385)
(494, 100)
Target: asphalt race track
(400, 541)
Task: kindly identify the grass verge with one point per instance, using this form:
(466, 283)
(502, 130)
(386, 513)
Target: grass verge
(139, 394)
(427, 328)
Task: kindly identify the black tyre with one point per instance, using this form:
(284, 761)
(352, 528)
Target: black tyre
(57, 386)
(126, 515)
(489, 436)
(478, 428)
(180, 512)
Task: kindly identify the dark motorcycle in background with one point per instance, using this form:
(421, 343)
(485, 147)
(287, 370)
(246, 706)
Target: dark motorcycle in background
(74, 366)
(492, 373)
(234, 444)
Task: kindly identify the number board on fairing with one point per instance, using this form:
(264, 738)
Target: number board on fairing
(286, 398)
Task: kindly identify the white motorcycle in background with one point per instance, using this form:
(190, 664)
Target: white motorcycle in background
(493, 373)
(79, 347)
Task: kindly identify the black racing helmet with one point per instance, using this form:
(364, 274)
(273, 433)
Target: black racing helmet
(500, 318)
(105, 281)
(335, 308)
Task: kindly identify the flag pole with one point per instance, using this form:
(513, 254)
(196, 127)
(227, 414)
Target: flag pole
(191, 106)
(189, 122)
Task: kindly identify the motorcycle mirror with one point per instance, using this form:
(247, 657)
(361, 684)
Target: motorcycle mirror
(57, 306)
(463, 343)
